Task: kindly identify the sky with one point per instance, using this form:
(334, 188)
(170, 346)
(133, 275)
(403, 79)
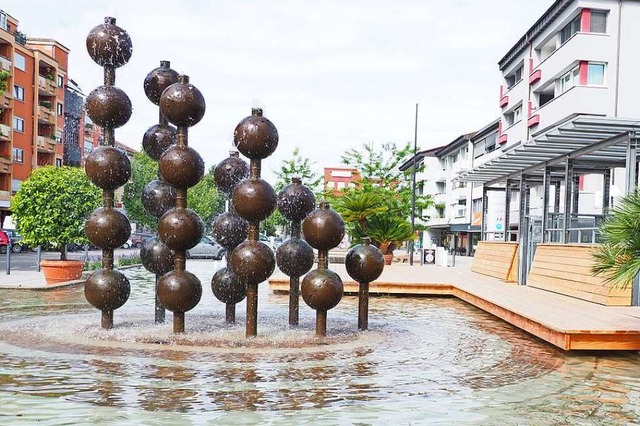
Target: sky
(331, 75)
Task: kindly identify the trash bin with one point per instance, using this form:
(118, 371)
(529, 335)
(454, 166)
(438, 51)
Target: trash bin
(428, 256)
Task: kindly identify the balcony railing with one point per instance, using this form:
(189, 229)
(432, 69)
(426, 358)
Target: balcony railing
(47, 86)
(5, 195)
(5, 165)
(5, 64)
(6, 100)
(5, 132)
(46, 116)
(46, 144)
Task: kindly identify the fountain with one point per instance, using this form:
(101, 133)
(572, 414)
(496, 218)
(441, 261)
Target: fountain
(413, 360)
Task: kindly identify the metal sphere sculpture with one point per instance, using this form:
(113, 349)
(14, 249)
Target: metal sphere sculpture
(364, 264)
(108, 168)
(229, 230)
(322, 288)
(254, 200)
(158, 196)
(295, 257)
(180, 228)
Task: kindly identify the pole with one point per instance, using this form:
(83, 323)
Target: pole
(413, 187)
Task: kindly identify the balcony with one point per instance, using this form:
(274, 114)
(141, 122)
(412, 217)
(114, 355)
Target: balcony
(5, 165)
(578, 99)
(46, 115)
(5, 195)
(5, 64)
(514, 133)
(46, 87)
(5, 132)
(46, 145)
(515, 95)
(580, 47)
(6, 100)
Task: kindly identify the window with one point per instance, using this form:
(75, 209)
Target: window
(595, 74)
(570, 29)
(19, 62)
(88, 147)
(58, 162)
(60, 81)
(598, 22)
(568, 80)
(514, 116)
(59, 136)
(59, 108)
(18, 124)
(18, 93)
(3, 21)
(515, 77)
(18, 155)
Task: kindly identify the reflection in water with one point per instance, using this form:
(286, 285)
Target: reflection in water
(430, 359)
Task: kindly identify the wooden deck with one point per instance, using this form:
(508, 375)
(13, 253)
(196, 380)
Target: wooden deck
(566, 322)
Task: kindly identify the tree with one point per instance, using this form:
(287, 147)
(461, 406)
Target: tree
(143, 170)
(382, 191)
(52, 205)
(297, 166)
(204, 198)
(618, 257)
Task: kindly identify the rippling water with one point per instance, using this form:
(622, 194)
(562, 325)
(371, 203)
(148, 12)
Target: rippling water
(424, 361)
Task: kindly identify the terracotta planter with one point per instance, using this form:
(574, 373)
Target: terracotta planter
(388, 258)
(59, 271)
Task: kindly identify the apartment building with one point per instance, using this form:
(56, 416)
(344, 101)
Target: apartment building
(337, 179)
(34, 73)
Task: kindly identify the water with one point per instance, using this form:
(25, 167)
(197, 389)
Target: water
(424, 361)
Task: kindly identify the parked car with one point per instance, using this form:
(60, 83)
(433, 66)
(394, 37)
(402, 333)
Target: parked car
(4, 241)
(139, 238)
(16, 241)
(127, 244)
(207, 248)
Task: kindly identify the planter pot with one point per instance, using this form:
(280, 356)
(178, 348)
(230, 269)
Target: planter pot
(59, 271)
(388, 258)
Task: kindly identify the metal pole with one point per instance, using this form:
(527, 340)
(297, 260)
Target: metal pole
(485, 209)
(568, 188)
(39, 257)
(9, 248)
(413, 188)
(522, 233)
(363, 306)
(631, 166)
(545, 202)
(507, 210)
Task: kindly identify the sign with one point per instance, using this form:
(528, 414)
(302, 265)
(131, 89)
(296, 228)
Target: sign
(429, 256)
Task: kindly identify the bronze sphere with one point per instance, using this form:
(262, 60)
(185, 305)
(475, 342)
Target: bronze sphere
(226, 286)
(107, 229)
(179, 291)
(255, 136)
(323, 228)
(254, 199)
(295, 257)
(108, 106)
(108, 167)
(364, 262)
(296, 201)
(229, 173)
(180, 229)
(229, 230)
(109, 45)
(107, 289)
(253, 262)
(158, 197)
(158, 80)
(156, 256)
(157, 139)
(322, 289)
(182, 103)
(181, 166)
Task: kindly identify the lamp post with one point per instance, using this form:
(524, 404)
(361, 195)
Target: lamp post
(413, 188)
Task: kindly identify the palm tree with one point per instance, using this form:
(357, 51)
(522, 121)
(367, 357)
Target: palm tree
(618, 257)
(387, 231)
(356, 207)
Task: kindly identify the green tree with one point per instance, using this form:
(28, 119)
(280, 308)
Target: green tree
(204, 198)
(52, 205)
(618, 257)
(382, 191)
(143, 170)
(296, 166)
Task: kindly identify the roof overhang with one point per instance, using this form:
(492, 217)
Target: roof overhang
(594, 142)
